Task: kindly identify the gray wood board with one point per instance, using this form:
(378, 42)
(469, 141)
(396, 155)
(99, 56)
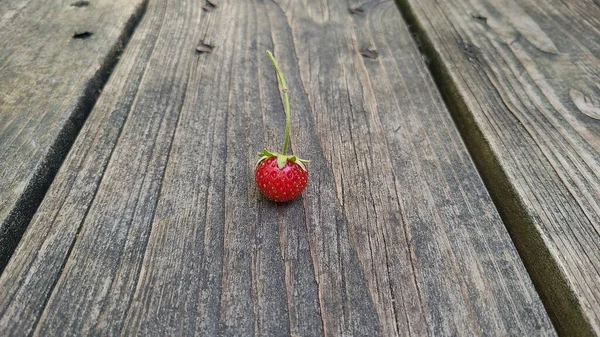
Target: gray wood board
(50, 75)
(523, 78)
(153, 225)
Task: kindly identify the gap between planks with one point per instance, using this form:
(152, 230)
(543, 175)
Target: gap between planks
(566, 315)
(27, 204)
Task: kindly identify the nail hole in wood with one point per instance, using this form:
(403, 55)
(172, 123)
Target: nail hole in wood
(356, 10)
(204, 48)
(480, 18)
(209, 6)
(82, 35)
(80, 3)
(369, 53)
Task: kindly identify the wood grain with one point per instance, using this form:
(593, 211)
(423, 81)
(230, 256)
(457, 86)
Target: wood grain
(153, 225)
(51, 70)
(523, 81)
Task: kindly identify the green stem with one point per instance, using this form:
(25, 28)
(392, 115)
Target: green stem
(286, 102)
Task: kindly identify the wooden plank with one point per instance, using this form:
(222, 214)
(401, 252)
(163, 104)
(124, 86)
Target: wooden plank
(153, 226)
(523, 81)
(51, 70)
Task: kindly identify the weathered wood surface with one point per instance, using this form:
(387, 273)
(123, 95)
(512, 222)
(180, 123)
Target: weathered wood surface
(49, 78)
(153, 225)
(523, 78)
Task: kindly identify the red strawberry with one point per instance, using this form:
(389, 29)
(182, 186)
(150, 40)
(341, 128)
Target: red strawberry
(281, 177)
(280, 184)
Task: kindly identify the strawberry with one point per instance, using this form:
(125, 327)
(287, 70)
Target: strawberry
(279, 176)
(280, 184)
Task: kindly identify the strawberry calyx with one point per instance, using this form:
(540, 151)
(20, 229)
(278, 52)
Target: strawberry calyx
(282, 159)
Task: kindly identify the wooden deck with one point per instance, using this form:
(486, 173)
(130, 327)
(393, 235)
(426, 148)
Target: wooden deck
(454, 185)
